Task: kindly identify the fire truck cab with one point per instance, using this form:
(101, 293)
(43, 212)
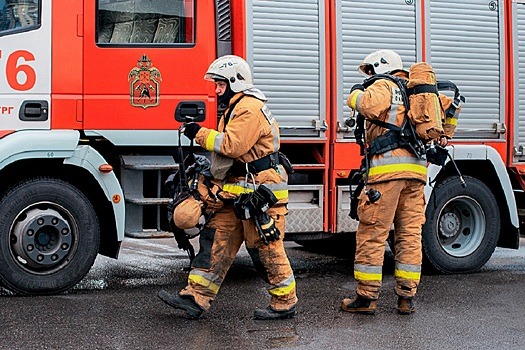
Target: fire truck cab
(93, 93)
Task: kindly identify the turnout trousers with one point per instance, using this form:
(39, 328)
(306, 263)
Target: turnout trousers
(219, 243)
(402, 203)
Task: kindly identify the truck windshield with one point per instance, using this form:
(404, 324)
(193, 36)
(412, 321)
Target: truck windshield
(18, 15)
(132, 22)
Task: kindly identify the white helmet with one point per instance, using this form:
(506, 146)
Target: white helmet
(381, 62)
(233, 69)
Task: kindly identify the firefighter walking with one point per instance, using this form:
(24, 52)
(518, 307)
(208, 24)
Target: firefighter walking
(245, 161)
(394, 192)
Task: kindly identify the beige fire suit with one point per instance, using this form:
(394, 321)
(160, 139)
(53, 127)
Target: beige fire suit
(400, 178)
(250, 134)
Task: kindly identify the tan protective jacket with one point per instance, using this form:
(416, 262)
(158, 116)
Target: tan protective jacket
(382, 101)
(251, 133)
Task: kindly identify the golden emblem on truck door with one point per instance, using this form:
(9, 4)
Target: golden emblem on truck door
(144, 82)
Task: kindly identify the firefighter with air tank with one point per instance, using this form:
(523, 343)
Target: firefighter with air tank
(393, 174)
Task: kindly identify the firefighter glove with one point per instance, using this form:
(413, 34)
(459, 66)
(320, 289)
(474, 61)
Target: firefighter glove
(266, 228)
(190, 130)
(357, 87)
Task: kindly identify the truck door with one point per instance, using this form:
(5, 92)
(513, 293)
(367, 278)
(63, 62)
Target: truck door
(286, 47)
(143, 59)
(25, 64)
(473, 59)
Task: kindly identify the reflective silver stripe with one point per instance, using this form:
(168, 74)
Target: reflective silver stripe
(283, 288)
(285, 283)
(250, 186)
(408, 272)
(392, 118)
(275, 134)
(217, 143)
(387, 154)
(408, 267)
(368, 268)
(368, 273)
(213, 278)
(397, 160)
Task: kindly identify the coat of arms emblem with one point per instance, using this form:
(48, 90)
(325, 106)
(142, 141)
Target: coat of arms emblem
(144, 81)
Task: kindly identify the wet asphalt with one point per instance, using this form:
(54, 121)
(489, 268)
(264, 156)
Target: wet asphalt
(116, 307)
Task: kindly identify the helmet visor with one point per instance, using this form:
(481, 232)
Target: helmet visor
(214, 77)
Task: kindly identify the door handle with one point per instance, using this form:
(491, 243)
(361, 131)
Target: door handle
(34, 111)
(190, 111)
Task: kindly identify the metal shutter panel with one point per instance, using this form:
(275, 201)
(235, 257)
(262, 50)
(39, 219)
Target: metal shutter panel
(367, 26)
(465, 48)
(286, 50)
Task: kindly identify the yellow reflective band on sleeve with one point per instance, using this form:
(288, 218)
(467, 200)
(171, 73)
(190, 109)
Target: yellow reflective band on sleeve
(353, 99)
(408, 275)
(202, 281)
(210, 140)
(236, 189)
(284, 290)
(451, 121)
(367, 276)
(394, 168)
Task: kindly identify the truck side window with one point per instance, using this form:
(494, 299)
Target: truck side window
(19, 15)
(131, 22)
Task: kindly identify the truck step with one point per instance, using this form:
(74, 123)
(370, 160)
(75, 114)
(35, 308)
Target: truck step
(149, 163)
(142, 179)
(149, 234)
(147, 201)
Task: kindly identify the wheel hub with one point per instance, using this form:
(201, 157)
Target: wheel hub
(43, 238)
(449, 225)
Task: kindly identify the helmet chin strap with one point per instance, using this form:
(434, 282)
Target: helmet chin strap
(224, 99)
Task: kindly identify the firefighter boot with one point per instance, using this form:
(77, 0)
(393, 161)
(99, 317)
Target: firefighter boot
(359, 305)
(271, 314)
(405, 306)
(185, 303)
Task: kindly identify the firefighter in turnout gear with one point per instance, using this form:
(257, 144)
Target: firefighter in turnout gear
(394, 193)
(245, 159)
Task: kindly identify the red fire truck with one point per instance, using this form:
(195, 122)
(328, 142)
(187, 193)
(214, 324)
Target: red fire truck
(91, 91)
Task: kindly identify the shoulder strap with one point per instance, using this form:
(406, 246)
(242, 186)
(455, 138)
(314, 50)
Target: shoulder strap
(230, 111)
(458, 98)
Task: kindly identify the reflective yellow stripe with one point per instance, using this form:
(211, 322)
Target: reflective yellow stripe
(210, 140)
(285, 290)
(437, 108)
(202, 281)
(236, 189)
(366, 276)
(451, 121)
(394, 168)
(408, 275)
(353, 99)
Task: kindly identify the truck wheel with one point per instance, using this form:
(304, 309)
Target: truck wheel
(462, 226)
(49, 237)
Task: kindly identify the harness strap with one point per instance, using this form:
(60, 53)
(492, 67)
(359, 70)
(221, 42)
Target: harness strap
(240, 168)
(386, 142)
(230, 111)
(423, 88)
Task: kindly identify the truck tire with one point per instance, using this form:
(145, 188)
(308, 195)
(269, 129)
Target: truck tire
(462, 226)
(49, 237)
